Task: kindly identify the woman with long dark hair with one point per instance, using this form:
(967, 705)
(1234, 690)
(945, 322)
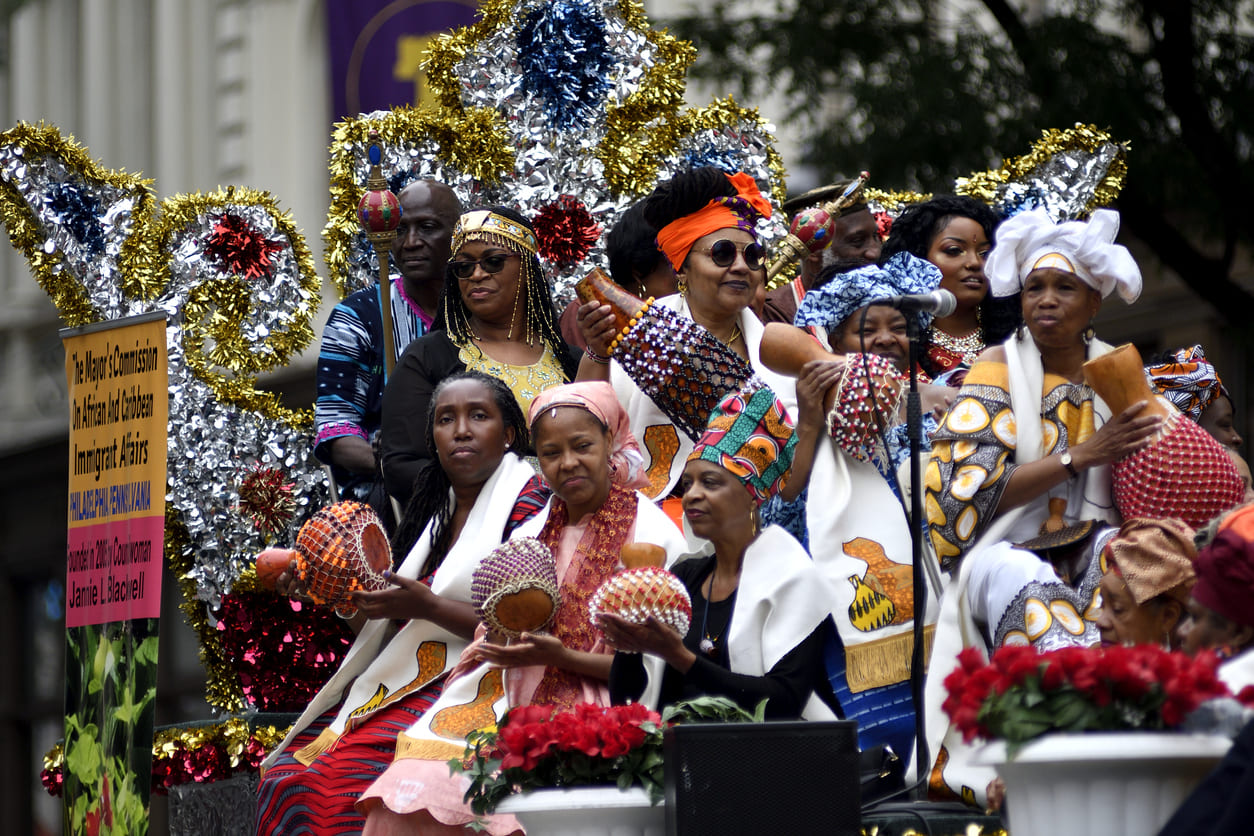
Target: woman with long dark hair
(589, 457)
(474, 493)
(956, 234)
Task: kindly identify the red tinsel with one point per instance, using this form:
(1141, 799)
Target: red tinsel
(282, 652)
(883, 224)
(566, 230)
(241, 249)
(53, 781)
(266, 499)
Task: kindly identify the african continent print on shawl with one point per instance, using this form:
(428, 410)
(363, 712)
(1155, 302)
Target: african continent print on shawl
(973, 451)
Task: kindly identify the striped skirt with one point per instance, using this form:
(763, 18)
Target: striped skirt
(318, 800)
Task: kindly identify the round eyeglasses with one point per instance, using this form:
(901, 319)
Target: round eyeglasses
(723, 253)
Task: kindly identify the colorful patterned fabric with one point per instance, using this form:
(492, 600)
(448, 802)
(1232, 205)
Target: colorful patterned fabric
(526, 382)
(596, 558)
(903, 274)
(317, 800)
(973, 451)
(1032, 241)
(1190, 382)
(750, 436)
(350, 374)
(741, 211)
(531, 501)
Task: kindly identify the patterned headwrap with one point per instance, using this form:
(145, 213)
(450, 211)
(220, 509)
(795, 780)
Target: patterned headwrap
(597, 397)
(903, 274)
(1032, 241)
(740, 211)
(751, 436)
(1225, 569)
(1191, 383)
(1154, 557)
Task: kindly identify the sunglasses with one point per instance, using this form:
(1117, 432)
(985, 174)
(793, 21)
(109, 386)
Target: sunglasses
(490, 263)
(723, 253)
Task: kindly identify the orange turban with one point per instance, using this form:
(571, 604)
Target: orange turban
(741, 212)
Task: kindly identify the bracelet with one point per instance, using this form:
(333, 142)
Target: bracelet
(596, 358)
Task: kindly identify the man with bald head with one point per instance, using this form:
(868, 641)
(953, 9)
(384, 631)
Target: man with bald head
(350, 372)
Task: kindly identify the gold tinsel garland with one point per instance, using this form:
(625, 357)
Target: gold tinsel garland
(894, 201)
(717, 115)
(168, 744)
(472, 141)
(215, 310)
(136, 259)
(984, 186)
(624, 153)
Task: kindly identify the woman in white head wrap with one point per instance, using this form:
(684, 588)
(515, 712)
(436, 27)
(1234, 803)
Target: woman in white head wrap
(1024, 429)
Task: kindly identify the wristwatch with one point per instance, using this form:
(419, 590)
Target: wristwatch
(1066, 462)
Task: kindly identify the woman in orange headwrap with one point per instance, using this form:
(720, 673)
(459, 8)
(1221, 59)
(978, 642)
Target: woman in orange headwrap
(706, 222)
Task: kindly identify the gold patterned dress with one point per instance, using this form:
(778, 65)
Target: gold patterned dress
(524, 381)
(973, 451)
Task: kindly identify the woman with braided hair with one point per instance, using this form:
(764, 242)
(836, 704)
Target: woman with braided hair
(496, 316)
(473, 494)
(706, 229)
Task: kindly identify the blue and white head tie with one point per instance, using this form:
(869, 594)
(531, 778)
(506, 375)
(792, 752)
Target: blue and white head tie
(903, 274)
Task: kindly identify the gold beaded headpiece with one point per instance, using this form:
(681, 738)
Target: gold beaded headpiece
(483, 224)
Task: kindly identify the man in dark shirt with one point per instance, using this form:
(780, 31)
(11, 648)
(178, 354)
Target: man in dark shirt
(350, 371)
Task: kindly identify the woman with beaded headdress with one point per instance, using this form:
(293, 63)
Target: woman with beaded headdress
(496, 316)
(590, 459)
(706, 229)
(1024, 430)
(955, 234)
(760, 607)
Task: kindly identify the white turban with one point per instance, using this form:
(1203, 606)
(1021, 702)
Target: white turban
(1032, 241)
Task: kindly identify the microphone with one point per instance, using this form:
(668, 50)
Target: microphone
(936, 303)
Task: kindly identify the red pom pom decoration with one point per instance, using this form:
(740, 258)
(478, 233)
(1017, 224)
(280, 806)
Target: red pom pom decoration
(566, 230)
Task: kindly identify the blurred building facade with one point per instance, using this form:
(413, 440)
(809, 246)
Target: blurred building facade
(195, 95)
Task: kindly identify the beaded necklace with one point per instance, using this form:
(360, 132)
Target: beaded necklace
(968, 347)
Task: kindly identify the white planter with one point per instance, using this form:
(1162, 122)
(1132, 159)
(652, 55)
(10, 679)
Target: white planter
(587, 811)
(1106, 783)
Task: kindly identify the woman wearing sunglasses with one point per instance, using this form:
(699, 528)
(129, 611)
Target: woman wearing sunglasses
(705, 221)
(496, 316)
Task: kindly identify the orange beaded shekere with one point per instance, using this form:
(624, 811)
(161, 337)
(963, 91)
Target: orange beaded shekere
(341, 549)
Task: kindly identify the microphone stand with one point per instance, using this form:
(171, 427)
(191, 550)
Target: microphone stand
(914, 431)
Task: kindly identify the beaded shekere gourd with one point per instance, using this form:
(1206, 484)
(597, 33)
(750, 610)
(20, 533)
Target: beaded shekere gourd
(680, 365)
(340, 549)
(514, 589)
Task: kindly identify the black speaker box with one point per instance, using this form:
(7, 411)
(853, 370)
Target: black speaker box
(762, 779)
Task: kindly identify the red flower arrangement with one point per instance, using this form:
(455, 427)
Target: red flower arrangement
(538, 747)
(1021, 694)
